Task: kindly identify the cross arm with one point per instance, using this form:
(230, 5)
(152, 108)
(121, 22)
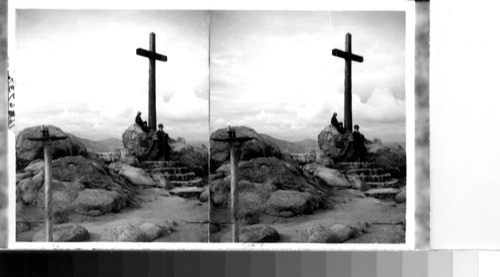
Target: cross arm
(150, 55)
(347, 56)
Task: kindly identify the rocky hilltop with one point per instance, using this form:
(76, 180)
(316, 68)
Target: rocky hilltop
(87, 184)
(27, 150)
(144, 146)
(259, 146)
(334, 149)
(276, 185)
(270, 183)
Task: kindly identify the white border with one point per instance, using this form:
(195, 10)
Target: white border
(315, 5)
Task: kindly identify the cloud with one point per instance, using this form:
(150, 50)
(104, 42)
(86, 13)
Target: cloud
(184, 105)
(381, 106)
(382, 115)
(280, 77)
(85, 77)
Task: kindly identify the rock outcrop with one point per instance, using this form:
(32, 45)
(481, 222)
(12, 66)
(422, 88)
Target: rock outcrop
(137, 176)
(336, 233)
(269, 186)
(142, 145)
(65, 233)
(393, 160)
(28, 151)
(286, 203)
(145, 232)
(195, 158)
(76, 178)
(333, 143)
(254, 234)
(98, 201)
(334, 146)
(331, 177)
(259, 146)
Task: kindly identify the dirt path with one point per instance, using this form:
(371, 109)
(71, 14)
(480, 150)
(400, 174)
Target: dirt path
(156, 206)
(351, 208)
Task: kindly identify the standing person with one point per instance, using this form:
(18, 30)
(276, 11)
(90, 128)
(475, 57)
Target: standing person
(359, 145)
(163, 146)
(335, 123)
(142, 124)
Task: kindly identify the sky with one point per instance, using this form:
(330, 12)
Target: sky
(273, 71)
(78, 70)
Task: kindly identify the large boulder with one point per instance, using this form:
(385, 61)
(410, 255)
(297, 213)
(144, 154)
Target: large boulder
(333, 143)
(400, 197)
(65, 233)
(153, 231)
(143, 145)
(71, 176)
(99, 200)
(268, 186)
(286, 203)
(129, 233)
(392, 159)
(28, 151)
(331, 177)
(335, 233)
(336, 147)
(254, 234)
(193, 157)
(145, 232)
(128, 158)
(137, 176)
(258, 146)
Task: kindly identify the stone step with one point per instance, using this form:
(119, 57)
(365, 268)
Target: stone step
(196, 182)
(393, 183)
(382, 193)
(374, 178)
(187, 192)
(354, 165)
(363, 171)
(169, 170)
(180, 177)
(158, 164)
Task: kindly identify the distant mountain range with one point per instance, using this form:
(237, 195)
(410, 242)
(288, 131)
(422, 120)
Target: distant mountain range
(110, 144)
(302, 146)
(308, 145)
(105, 145)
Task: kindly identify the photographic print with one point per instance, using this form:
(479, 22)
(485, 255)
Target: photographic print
(111, 125)
(308, 123)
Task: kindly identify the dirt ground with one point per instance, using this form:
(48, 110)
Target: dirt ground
(156, 206)
(351, 207)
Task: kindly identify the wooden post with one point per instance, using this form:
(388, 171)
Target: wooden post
(46, 140)
(234, 193)
(48, 192)
(152, 84)
(348, 87)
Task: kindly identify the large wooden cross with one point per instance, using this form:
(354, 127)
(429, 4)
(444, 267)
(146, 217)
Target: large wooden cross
(348, 56)
(153, 57)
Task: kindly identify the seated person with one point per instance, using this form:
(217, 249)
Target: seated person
(335, 123)
(142, 124)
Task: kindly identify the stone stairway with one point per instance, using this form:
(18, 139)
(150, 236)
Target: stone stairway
(380, 183)
(183, 181)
